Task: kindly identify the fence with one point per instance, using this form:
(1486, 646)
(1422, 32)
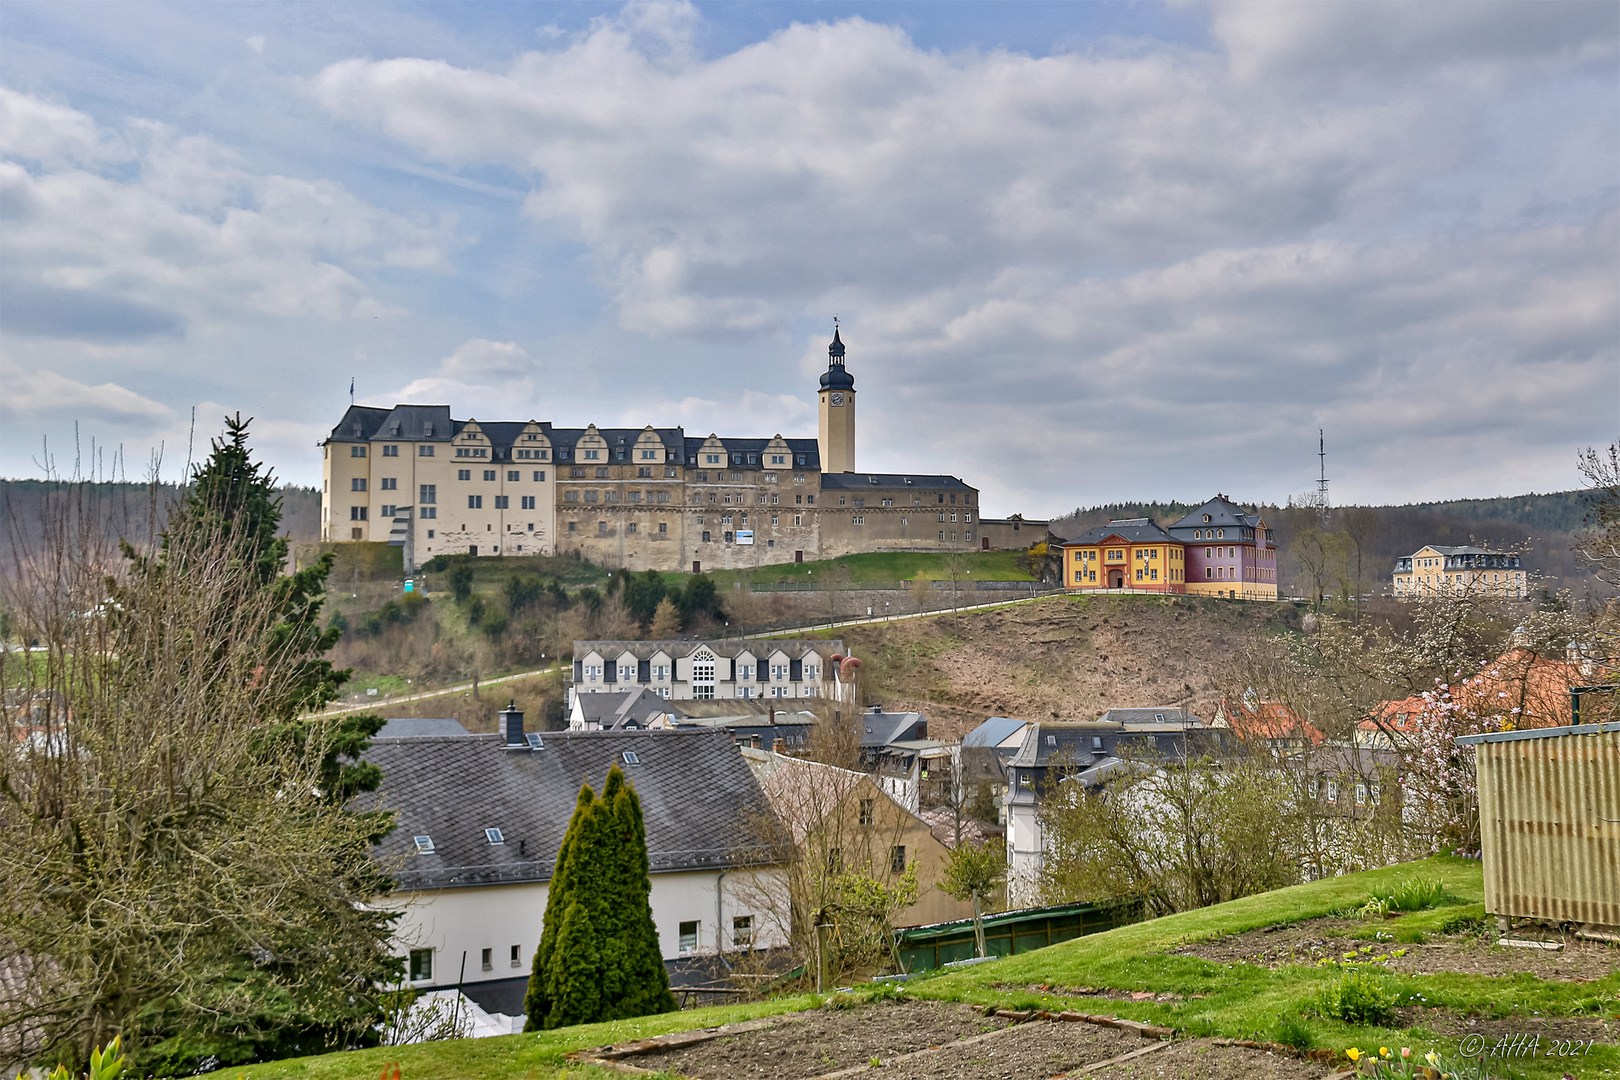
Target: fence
(924, 948)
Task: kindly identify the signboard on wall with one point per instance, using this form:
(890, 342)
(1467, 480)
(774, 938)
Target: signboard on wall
(745, 536)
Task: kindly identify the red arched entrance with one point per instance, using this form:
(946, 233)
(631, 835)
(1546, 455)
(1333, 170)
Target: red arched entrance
(1116, 579)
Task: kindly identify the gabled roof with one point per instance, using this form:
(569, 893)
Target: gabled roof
(645, 650)
(883, 728)
(624, 708)
(1071, 744)
(1129, 530)
(410, 727)
(993, 731)
(696, 794)
(1465, 549)
(809, 448)
(880, 481)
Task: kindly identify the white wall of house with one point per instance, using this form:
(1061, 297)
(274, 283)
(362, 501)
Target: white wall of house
(1026, 853)
(497, 917)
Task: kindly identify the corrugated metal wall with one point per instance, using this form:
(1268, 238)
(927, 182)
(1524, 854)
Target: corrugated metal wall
(1550, 824)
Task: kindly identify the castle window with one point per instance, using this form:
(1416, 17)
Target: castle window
(489, 474)
(512, 475)
(570, 496)
(424, 451)
(593, 455)
(390, 451)
(357, 451)
(528, 502)
(390, 483)
(358, 483)
(500, 502)
(475, 502)
(601, 472)
(539, 475)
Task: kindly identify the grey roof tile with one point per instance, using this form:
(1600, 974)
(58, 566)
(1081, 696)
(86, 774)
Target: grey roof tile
(696, 795)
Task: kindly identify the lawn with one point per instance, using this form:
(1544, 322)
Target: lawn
(1236, 1000)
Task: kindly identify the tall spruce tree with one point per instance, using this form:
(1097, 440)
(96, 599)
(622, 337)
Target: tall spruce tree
(599, 957)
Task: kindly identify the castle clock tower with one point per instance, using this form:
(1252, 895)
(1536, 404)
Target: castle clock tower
(837, 432)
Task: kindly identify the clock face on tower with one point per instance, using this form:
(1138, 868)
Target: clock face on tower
(838, 399)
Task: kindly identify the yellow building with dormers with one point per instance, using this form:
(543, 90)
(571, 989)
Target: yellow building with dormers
(1128, 555)
(1454, 571)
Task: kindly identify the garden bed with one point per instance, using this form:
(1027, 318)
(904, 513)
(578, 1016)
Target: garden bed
(824, 1041)
(1332, 940)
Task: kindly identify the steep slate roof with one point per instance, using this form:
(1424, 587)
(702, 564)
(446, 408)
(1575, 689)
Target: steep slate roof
(616, 709)
(1131, 530)
(413, 421)
(359, 423)
(808, 447)
(992, 731)
(1222, 512)
(408, 727)
(733, 647)
(859, 481)
(884, 728)
(696, 793)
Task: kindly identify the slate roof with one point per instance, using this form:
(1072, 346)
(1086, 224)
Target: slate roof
(1069, 743)
(1131, 530)
(859, 481)
(1465, 549)
(884, 728)
(619, 708)
(696, 793)
(410, 727)
(809, 448)
(992, 731)
(733, 647)
(1222, 512)
(1161, 714)
(359, 423)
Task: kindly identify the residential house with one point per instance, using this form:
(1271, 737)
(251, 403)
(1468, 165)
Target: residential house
(841, 820)
(631, 710)
(1519, 689)
(1079, 753)
(481, 818)
(984, 755)
(1436, 570)
(691, 670)
(1127, 555)
(1230, 552)
(916, 770)
(1269, 724)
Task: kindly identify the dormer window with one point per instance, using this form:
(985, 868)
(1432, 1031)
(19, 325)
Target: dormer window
(424, 845)
(494, 837)
(1206, 519)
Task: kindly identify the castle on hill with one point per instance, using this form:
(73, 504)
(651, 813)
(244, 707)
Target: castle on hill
(640, 499)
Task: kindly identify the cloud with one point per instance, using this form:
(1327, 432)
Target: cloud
(255, 42)
(177, 233)
(1173, 259)
(36, 394)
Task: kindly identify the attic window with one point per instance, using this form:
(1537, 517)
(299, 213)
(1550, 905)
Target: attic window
(427, 429)
(630, 758)
(424, 845)
(533, 738)
(872, 480)
(1159, 717)
(1096, 742)
(1051, 740)
(494, 836)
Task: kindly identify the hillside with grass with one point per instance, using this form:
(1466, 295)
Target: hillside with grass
(1060, 657)
(1413, 963)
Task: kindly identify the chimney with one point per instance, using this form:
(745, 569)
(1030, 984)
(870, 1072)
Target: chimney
(512, 724)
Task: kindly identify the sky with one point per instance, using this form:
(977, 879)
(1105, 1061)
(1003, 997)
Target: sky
(1080, 253)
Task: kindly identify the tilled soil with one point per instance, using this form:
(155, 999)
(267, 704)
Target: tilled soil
(828, 1041)
(1317, 940)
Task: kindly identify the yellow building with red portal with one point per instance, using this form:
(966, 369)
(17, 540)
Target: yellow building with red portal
(1128, 555)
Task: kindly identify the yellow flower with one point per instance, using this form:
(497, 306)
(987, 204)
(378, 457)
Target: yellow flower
(1384, 1050)
(1353, 1054)
(1432, 1058)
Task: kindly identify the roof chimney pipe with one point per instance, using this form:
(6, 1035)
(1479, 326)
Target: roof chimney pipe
(512, 724)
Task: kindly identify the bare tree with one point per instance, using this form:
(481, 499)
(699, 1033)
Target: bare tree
(179, 869)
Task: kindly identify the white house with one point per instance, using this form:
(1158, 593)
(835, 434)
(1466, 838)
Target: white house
(709, 670)
(481, 818)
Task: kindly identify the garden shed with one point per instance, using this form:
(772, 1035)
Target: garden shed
(1549, 807)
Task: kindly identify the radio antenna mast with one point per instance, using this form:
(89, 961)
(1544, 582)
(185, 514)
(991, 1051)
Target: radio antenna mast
(1321, 479)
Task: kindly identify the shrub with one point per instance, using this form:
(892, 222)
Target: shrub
(1359, 997)
(1418, 895)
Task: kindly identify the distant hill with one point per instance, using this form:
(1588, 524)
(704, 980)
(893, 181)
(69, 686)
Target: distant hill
(128, 511)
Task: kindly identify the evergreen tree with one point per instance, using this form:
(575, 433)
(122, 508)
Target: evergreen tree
(599, 932)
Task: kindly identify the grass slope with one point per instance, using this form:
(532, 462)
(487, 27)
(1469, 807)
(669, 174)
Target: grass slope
(851, 571)
(1234, 1000)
